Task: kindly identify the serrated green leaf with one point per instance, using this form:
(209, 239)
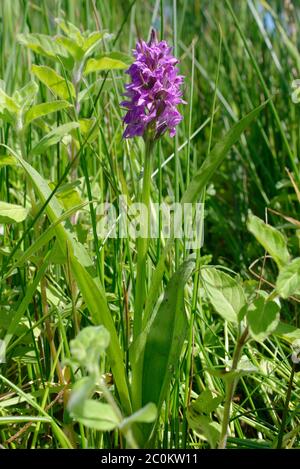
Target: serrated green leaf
(44, 109)
(112, 61)
(11, 213)
(263, 318)
(288, 280)
(56, 83)
(271, 239)
(53, 137)
(224, 292)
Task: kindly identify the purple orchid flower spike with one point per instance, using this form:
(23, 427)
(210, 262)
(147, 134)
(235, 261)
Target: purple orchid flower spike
(154, 91)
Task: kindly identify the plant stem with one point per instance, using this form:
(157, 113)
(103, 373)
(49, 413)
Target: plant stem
(286, 409)
(142, 243)
(230, 388)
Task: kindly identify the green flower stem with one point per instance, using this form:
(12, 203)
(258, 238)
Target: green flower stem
(230, 388)
(142, 244)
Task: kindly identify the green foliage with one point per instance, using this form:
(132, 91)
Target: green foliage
(59, 86)
(96, 415)
(165, 338)
(206, 428)
(11, 213)
(43, 109)
(224, 292)
(112, 61)
(263, 318)
(288, 280)
(53, 137)
(271, 239)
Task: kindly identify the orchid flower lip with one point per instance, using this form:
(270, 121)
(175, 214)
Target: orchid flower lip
(154, 92)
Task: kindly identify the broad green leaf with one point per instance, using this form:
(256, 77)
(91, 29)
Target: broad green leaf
(96, 415)
(146, 414)
(91, 289)
(271, 239)
(224, 292)
(11, 213)
(69, 198)
(43, 109)
(164, 341)
(53, 137)
(82, 389)
(7, 160)
(8, 103)
(204, 426)
(112, 61)
(287, 331)
(56, 83)
(89, 345)
(193, 192)
(42, 44)
(26, 95)
(206, 402)
(263, 318)
(288, 280)
(68, 195)
(71, 46)
(94, 39)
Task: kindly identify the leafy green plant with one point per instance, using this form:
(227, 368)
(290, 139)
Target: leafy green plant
(86, 350)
